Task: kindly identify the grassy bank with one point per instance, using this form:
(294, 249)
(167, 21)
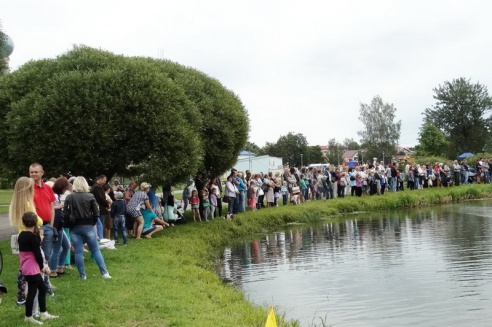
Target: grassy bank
(171, 281)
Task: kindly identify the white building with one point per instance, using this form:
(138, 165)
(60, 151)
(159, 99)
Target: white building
(261, 164)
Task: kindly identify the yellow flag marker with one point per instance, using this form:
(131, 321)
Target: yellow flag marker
(271, 322)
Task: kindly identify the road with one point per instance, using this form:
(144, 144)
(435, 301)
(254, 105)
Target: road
(5, 230)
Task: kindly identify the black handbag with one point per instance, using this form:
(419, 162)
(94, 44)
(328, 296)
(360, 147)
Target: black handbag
(69, 218)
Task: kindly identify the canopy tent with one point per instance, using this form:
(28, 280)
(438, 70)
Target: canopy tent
(465, 155)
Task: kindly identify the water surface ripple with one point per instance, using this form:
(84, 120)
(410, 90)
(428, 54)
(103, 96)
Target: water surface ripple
(429, 267)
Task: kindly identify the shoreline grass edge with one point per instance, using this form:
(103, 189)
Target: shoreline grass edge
(171, 280)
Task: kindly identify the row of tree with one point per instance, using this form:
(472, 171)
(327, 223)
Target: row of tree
(459, 122)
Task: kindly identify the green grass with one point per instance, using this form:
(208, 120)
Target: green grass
(5, 196)
(171, 281)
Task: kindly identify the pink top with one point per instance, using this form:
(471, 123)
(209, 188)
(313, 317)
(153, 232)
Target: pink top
(29, 265)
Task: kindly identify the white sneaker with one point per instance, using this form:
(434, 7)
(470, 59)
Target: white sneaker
(33, 321)
(106, 276)
(46, 316)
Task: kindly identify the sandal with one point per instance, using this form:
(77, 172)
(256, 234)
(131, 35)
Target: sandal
(54, 275)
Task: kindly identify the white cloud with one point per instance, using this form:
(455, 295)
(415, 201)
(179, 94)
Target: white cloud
(297, 66)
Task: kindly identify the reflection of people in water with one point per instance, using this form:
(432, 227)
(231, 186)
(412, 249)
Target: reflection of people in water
(255, 252)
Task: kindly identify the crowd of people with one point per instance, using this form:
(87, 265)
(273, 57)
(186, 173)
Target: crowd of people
(60, 216)
(298, 185)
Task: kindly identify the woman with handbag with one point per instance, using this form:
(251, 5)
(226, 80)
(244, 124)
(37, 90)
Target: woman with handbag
(62, 246)
(81, 212)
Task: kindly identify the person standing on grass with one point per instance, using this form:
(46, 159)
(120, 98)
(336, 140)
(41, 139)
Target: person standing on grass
(82, 211)
(118, 210)
(186, 195)
(218, 201)
(252, 194)
(22, 201)
(44, 202)
(32, 265)
(61, 248)
(231, 193)
(128, 194)
(100, 196)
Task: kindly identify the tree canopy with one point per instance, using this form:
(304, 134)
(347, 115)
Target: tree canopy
(461, 114)
(381, 133)
(91, 112)
(432, 141)
(289, 147)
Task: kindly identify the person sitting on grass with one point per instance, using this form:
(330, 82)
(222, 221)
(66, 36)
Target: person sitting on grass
(152, 224)
(171, 213)
(32, 265)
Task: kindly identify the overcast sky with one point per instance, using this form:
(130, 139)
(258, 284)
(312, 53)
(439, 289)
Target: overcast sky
(298, 66)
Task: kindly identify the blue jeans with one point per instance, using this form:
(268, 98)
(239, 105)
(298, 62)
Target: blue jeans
(100, 226)
(81, 234)
(60, 251)
(235, 205)
(241, 204)
(231, 205)
(120, 225)
(47, 244)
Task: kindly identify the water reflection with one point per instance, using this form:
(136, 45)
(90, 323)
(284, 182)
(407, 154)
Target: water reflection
(429, 267)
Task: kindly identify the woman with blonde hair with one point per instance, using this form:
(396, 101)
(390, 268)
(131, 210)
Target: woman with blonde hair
(22, 202)
(81, 211)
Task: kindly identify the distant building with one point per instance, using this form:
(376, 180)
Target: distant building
(351, 155)
(263, 164)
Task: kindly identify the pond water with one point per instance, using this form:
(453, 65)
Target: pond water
(426, 267)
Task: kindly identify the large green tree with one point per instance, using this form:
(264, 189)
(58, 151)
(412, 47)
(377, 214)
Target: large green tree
(381, 132)
(289, 147)
(335, 152)
(224, 125)
(253, 147)
(312, 155)
(461, 113)
(92, 112)
(351, 144)
(432, 141)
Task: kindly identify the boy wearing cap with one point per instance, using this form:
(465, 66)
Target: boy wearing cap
(118, 209)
